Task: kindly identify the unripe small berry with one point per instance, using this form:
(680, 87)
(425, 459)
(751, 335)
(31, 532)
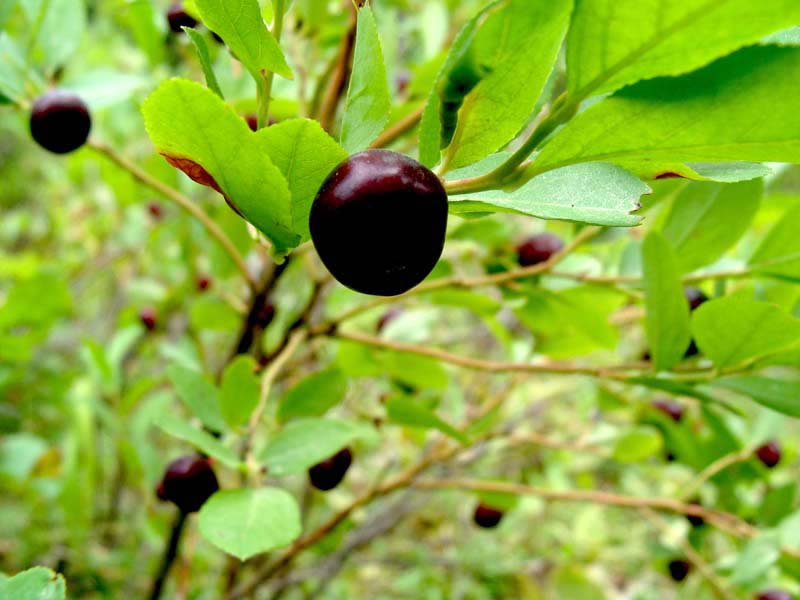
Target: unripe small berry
(538, 249)
(486, 516)
(769, 453)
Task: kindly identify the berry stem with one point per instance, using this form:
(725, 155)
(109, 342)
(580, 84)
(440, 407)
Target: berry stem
(170, 554)
(264, 85)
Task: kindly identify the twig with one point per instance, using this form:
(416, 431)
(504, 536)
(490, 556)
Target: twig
(398, 129)
(265, 86)
(185, 203)
(338, 82)
(170, 554)
(715, 467)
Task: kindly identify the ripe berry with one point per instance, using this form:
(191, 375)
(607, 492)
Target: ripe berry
(774, 595)
(329, 473)
(60, 121)
(148, 318)
(188, 482)
(178, 17)
(203, 282)
(679, 569)
(379, 222)
(769, 453)
(266, 314)
(538, 249)
(670, 408)
(486, 516)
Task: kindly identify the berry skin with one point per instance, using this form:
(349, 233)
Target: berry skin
(329, 473)
(379, 222)
(148, 318)
(679, 569)
(769, 454)
(774, 595)
(188, 482)
(203, 282)
(177, 17)
(486, 516)
(60, 121)
(538, 249)
(672, 409)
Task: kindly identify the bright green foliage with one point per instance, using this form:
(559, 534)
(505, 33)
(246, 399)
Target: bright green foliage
(614, 43)
(203, 441)
(407, 411)
(239, 391)
(198, 394)
(779, 252)
(738, 108)
(241, 25)
(247, 522)
(38, 583)
(367, 106)
(205, 60)
(667, 320)
(313, 396)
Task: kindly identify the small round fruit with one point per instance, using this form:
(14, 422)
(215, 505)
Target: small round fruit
(188, 482)
(203, 282)
(60, 121)
(379, 222)
(670, 408)
(679, 569)
(329, 473)
(177, 17)
(769, 454)
(148, 318)
(774, 595)
(486, 516)
(538, 249)
(694, 297)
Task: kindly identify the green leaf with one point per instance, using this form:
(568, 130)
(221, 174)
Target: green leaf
(779, 252)
(414, 370)
(430, 126)
(140, 17)
(202, 441)
(213, 314)
(57, 27)
(240, 24)
(667, 319)
(367, 106)
(239, 390)
(14, 70)
(738, 108)
(405, 410)
(305, 442)
(215, 147)
(638, 444)
(756, 559)
(707, 219)
(306, 155)
(19, 454)
(613, 43)
(198, 394)
(562, 194)
(201, 48)
(314, 395)
(734, 330)
(478, 303)
(6, 9)
(246, 522)
(37, 583)
(777, 394)
(518, 44)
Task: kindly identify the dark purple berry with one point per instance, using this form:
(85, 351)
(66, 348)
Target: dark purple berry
(487, 517)
(329, 473)
(188, 482)
(694, 297)
(538, 249)
(60, 121)
(769, 453)
(148, 318)
(178, 17)
(774, 595)
(379, 222)
(670, 408)
(679, 569)
(203, 282)
(265, 314)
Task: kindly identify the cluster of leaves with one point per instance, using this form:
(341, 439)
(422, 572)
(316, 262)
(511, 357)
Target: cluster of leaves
(636, 131)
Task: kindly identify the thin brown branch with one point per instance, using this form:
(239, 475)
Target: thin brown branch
(185, 203)
(337, 84)
(399, 129)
